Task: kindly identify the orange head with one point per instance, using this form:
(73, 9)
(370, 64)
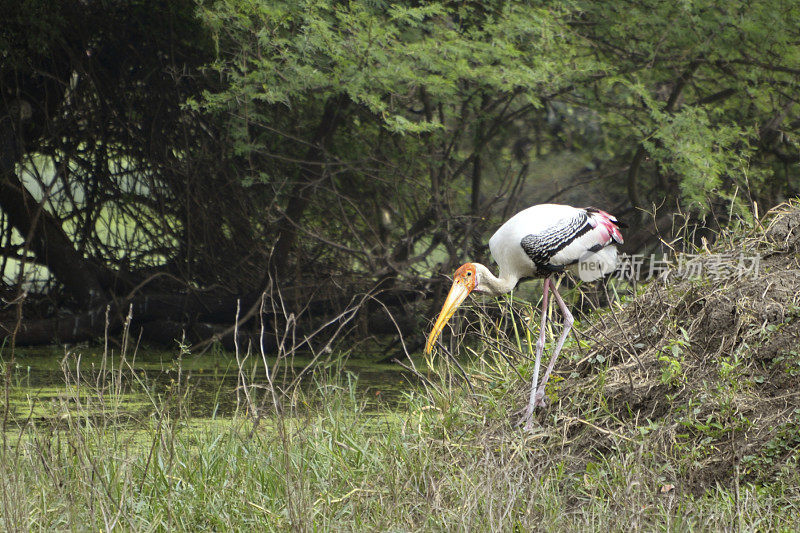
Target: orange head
(464, 282)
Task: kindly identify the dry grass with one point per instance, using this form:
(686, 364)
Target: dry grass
(676, 410)
(700, 376)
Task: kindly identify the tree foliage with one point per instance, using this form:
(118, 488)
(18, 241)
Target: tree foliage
(334, 148)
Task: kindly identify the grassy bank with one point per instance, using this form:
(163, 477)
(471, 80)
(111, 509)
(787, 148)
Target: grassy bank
(677, 410)
(447, 458)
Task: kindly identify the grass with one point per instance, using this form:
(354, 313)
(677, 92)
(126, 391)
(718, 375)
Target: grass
(447, 458)
(665, 420)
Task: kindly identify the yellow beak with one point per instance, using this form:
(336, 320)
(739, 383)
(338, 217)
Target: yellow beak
(458, 292)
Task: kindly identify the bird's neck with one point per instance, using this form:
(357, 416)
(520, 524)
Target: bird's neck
(492, 285)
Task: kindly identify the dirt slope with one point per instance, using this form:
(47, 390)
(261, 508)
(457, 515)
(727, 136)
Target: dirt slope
(701, 372)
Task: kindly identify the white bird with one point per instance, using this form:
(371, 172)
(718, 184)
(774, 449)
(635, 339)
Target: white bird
(539, 242)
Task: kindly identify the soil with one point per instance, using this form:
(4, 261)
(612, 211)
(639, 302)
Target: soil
(710, 365)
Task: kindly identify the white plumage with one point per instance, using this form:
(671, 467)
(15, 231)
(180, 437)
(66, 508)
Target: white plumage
(590, 254)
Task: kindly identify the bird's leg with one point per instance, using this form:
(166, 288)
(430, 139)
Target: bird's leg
(568, 321)
(528, 417)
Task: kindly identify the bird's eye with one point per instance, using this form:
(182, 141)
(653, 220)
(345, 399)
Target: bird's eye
(469, 274)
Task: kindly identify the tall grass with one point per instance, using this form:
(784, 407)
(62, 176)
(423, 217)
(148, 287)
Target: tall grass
(448, 457)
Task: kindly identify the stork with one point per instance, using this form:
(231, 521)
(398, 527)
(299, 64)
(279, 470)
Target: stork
(539, 242)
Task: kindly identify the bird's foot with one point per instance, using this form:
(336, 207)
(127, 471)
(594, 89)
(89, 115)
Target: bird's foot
(526, 421)
(539, 399)
(527, 418)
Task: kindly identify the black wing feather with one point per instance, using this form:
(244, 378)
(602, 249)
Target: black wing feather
(541, 247)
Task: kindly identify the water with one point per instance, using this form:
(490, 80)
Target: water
(46, 383)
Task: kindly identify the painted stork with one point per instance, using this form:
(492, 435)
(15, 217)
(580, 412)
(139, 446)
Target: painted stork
(539, 242)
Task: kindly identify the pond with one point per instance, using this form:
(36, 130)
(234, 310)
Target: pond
(47, 383)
